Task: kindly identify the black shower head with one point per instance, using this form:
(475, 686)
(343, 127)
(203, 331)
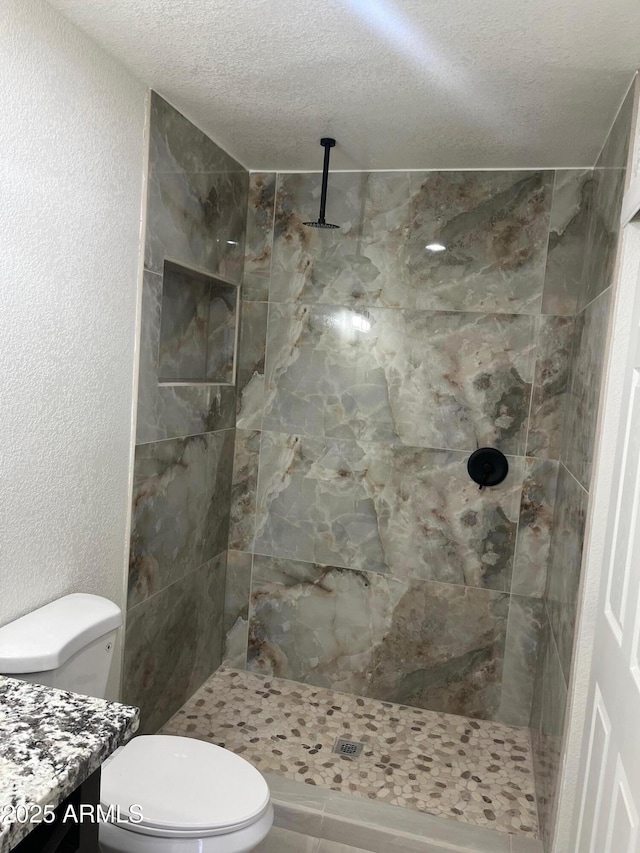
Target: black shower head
(320, 224)
(327, 144)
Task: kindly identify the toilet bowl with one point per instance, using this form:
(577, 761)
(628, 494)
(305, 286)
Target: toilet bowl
(177, 794)
(189, 796)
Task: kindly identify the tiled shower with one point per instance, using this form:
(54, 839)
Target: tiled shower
(316, 522)
(379, 567)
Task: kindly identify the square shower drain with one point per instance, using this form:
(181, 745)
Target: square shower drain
(348, 748)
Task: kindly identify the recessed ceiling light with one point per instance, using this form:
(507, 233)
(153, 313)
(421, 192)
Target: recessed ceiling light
(435, 247)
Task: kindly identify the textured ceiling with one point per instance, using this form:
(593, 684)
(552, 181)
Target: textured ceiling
(401, 84)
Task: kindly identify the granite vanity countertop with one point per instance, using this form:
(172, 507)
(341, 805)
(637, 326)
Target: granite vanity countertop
(50, 742)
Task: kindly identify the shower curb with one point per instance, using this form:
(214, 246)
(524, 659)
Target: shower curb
(378, 827)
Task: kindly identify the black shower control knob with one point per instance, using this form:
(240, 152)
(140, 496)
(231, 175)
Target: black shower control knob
(487, 466)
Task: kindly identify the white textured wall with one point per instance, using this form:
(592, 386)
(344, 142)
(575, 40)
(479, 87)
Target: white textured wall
(71, 166)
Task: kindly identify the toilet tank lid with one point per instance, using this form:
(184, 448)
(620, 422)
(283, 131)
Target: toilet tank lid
(47, 637)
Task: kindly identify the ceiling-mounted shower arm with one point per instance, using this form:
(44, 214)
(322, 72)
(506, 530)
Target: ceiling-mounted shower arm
(327, 143)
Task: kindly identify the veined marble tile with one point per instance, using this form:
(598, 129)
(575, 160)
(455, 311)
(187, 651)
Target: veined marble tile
(173, 643)
(259, 236)
(547, 725)
(181, 494)
(305, 260)
(287, 841)
(184, 410)
(587, 363)
(198, 327)
(452, 659)
(184, 324)
(602, 237)
(535, 527)
(323, 372)
(197, 219)
(171, 484)
(149, 367)
(196, 210)
(415, 642)
(408, 511)
(251, 356)
(177, 145)
(563, 576)
(197, 198)
(526, 845)
(554, 339)
(236, 609)
(218, 507)
(426, 379)
(520, 660)
(319, 624)
(616, 148)
(221, 337)
(243, 493)
(568, 226)
(170, 411)
(604, 221)
(255, 288)
(494, 226)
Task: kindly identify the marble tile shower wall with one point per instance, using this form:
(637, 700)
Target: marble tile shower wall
(600, 224)
(196, 212)
(361, 556)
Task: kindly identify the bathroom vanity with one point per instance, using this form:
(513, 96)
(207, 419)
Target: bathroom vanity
(52, 745)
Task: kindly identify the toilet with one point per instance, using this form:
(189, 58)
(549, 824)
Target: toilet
(194, 797)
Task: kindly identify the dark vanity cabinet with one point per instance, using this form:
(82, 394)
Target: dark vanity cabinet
(67, 835)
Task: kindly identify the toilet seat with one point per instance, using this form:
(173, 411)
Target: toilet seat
(187, 788)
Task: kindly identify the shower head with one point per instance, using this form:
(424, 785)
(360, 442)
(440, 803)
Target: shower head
(327, 144)
(320, 224)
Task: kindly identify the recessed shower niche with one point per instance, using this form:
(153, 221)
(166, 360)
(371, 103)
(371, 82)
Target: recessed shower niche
(198, 328)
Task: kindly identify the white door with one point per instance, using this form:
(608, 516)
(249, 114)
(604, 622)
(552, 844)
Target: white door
(606, 809)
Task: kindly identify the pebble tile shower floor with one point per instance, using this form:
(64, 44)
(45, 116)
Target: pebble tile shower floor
(473, 771)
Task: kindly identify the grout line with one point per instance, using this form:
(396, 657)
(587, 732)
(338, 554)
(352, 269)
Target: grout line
(186, 436)
(183, 577)
(391, 445)
(246, 649)
(527, 466)
(554, 186)
(595, 299)
(615, 118)
(536, 338)
(536, 798)
(428, 171)
(361, 308)
(272, 231)
(570, 376)
(573, 477)
(389, 575)
(147, 271)
(266, 362)
(555, 649)
(257, 498)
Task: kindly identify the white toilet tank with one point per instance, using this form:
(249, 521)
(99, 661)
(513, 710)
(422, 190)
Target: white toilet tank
(66, 644)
